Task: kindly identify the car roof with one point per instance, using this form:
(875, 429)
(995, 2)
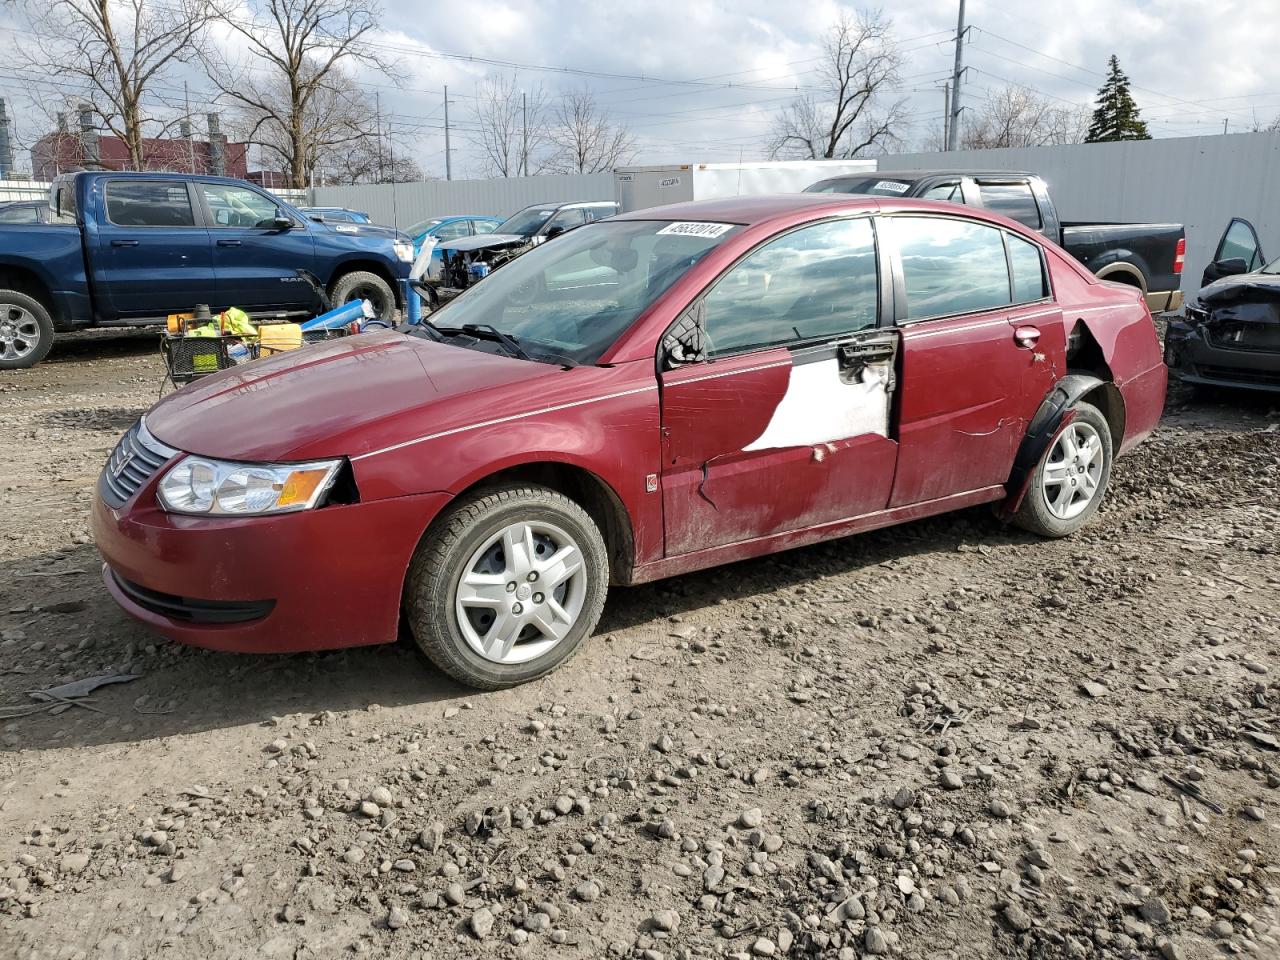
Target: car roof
(914, 175)
(750, 210)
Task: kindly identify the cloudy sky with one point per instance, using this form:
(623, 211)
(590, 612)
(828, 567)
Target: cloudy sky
(701, 81)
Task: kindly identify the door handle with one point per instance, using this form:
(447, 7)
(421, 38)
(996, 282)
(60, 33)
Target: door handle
(124, 243)
(1026, 336)
(228, 243)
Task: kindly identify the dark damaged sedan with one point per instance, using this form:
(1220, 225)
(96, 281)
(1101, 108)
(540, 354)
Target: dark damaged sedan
(1231, 334)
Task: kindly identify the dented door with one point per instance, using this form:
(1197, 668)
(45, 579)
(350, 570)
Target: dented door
(777, 441)
(782, 419)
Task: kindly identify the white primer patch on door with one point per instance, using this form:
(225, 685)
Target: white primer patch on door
(819, 407)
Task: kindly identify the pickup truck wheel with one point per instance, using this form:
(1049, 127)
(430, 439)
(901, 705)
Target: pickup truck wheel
(363, 285)
(1071, 478)
(26, 330)
(507, 586)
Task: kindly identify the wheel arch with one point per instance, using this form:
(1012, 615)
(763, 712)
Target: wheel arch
(1123, 272)
(1056, 410)
(584, 487)
(358, 264)
(28, 281)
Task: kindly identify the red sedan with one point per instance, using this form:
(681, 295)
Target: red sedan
(644, 396)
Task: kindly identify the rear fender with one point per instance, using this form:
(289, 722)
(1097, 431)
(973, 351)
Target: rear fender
(1055, 412)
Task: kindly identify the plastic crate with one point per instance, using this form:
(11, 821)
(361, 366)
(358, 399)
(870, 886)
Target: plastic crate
(189, 358)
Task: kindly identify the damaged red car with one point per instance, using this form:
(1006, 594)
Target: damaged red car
(649, 395)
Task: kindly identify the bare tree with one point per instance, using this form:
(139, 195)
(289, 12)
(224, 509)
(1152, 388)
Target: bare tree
(511, 127)
(110, 55)
(387, 161)
(298, 99)
(1017, 116)
(849, 115)
(584, 139)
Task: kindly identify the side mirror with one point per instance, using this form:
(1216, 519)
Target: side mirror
(282, 221)
(554, 232)
(684, 342)
(1231, 267)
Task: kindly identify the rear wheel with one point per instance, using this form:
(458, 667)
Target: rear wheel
(507, 586)
(1071, 478)
(363, 285)
(26, 330)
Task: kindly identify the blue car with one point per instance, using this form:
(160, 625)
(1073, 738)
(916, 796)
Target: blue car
(336, 214)
(449, 228)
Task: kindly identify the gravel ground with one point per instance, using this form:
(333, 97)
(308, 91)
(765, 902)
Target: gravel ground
(944, 740)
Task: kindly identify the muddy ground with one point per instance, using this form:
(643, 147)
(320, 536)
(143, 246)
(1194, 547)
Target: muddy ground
(944, 740)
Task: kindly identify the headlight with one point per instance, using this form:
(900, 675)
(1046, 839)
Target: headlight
(199, 485)
(404, 250)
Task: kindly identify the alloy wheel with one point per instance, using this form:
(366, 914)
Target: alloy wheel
(1071, 475)
(19, 332)
(521, 592)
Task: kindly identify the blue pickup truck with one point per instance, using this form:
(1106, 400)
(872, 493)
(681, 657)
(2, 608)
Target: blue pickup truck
(127, 249)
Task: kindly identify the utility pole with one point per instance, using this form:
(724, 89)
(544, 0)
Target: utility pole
(377, 107)
(448, 159)
(1224, 125)
(524, 145)
(191, 140)
(946, 113)
(953, 130)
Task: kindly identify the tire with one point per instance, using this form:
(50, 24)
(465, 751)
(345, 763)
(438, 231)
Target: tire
(26, 331)
(1058, 508)
(363, 285)
(498, 636)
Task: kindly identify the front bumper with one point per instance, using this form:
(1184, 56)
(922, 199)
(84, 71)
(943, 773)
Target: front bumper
(312, 580)
(1193, 359)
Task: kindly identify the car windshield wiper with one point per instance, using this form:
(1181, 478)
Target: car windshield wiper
(488, 331)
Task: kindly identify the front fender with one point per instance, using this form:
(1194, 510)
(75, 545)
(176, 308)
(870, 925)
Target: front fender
(1056, 410)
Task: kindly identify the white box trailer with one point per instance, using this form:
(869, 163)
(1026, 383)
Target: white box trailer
(653, 186)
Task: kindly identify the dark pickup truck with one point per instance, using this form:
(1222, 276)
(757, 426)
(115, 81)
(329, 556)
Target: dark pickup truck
(126, 249)
(1144, 255)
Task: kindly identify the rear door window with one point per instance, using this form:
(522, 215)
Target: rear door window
(1027, 266)
(1012, 200)
(951, 266)
(149, 203)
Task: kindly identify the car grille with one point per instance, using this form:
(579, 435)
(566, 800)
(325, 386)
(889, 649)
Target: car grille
(132, 463)
(189, 610)
(1262, 378)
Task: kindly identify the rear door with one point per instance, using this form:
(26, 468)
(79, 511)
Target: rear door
(1238, 242)
(255, 262)
(969, 381)
(778, 419)
(153, 253)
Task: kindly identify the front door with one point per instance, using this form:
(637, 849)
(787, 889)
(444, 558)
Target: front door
(1238, 246)
(973, 361)
(255, 262)
(153, 254)
(777, 394)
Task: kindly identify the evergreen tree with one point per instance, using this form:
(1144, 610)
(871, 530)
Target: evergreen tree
(1116, 116)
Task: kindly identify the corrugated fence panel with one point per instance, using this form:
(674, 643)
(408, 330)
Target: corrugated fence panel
(1200, 182)
(403, 204)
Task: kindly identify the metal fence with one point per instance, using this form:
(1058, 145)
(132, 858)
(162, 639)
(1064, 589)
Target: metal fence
(403, 204)
(1200, 182)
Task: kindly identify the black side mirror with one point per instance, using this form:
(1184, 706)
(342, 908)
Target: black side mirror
(1229, 267)
(282, 221)
(684, 342)
(554, 232)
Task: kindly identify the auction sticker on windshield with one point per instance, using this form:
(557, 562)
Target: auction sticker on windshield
(892, 186)
(690, 229)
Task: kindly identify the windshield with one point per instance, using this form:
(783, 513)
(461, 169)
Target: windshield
(1272, 267)
(575, 296)
(527, 221)
(877, 186)
(421, 227)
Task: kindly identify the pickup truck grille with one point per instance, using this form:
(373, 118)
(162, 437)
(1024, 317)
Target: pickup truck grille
(132, 463)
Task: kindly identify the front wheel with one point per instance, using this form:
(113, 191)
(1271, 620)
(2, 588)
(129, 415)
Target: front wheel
(1071, 478)
(363, 285)
(26, 330)
(507, 586)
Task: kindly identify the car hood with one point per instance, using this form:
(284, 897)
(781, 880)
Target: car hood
(1244, 286)
(484, 241)
(343, 228)
(340, 398)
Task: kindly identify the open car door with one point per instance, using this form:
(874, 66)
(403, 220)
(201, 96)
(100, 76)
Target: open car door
(1239, 251)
